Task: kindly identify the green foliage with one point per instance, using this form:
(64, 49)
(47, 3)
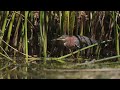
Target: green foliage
(31, 32)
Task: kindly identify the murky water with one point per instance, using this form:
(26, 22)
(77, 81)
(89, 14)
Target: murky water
(107, 70)
(64, 74)
(83, 74)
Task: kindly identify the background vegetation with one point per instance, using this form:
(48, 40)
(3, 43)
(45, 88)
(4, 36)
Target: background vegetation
(31, 32)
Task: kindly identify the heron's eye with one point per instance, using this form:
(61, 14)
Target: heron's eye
(64, 44)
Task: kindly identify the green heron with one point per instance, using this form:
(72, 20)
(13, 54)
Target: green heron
(76, 41)
(72, 42)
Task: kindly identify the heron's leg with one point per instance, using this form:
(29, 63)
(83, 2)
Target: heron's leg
(71, 53)
(75, 60)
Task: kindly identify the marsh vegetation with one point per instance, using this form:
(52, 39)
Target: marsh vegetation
(29, 42)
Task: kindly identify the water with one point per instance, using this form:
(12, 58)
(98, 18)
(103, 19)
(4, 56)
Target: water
(36, 70)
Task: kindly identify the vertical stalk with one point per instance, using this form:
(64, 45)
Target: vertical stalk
(66, 22)
(16, 32)
(116, 33)
(43, 36)
(4, 25)
(62, 22)
(31, 30)
(26, 39)
(76, 22)
(10, 30)
(68, 12)
(90, 21)
(72, 22)
(81, 23)
(15, 39)
(81, 28)
(45, 24)
(60, 13)
(21, 39)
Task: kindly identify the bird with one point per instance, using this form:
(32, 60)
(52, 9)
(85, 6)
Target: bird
(74, 42)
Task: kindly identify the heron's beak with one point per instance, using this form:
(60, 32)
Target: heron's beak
(58, 39)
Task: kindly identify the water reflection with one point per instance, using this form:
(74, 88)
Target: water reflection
(36, 70)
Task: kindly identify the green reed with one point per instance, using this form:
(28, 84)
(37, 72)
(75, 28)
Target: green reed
(10, 30)
(72, 22)
(66, 22)
(4, 25)
(16, 37)
(17, 31)
(60, 25)
(116, 27)
(43, 35)
(26, 36)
